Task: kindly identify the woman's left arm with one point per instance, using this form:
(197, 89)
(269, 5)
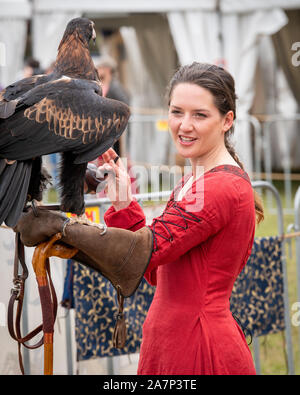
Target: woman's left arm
(188, 223)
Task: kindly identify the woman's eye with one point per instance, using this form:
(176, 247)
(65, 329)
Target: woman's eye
(201, 115)
(176, 112)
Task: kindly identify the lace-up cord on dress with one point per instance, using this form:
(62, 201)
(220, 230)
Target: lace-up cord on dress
(181, 213)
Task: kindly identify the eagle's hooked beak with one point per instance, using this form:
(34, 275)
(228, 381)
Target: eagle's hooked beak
(94, 35)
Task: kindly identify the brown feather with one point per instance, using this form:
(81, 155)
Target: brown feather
(63, 122)
(74, 59)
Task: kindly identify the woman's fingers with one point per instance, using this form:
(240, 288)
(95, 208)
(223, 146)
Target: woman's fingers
(118, 186)
(109, 154)
(114, 166)
(114, 160)
(106, 157)
(104, 170)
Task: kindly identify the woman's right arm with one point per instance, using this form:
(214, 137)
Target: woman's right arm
(131, 217)
(125, 211)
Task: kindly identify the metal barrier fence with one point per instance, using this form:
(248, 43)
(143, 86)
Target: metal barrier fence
(296, 227)
(287, 320)
(258, 143)
(286, 149)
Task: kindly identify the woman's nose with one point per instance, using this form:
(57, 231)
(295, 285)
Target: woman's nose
(186, 123)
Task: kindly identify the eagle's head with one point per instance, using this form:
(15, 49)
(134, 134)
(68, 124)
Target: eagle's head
(82, 28)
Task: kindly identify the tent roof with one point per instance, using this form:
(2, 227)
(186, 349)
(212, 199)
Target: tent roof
(24, 8)
(239, 6)
(144, 6)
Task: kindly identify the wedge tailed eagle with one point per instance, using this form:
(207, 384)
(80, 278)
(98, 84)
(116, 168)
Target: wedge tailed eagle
(61, 112)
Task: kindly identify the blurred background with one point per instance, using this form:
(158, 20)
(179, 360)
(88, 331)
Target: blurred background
(139, 45)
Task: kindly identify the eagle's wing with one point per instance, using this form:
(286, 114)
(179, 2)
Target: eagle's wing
(9, 95)
(62, 115)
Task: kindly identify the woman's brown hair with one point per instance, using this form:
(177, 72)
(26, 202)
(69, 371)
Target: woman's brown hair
(220, 84)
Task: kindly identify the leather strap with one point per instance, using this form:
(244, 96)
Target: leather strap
(46, 207)
(17, 296)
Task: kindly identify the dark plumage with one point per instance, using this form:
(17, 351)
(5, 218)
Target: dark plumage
(60, 112)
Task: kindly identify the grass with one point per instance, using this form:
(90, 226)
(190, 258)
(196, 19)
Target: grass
(52, 196)
(272, 347)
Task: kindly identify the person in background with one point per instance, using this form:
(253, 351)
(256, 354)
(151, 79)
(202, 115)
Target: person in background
(50, 68)
(112, 89)
(32, 67)
(111, 86)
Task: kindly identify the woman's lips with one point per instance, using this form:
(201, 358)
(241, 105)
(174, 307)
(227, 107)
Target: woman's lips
(186, 140)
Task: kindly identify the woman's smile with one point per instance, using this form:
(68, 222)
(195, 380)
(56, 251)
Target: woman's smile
(187, 141)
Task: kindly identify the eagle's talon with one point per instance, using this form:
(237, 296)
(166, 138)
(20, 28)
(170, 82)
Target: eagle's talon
(34, 209)
(83, 220)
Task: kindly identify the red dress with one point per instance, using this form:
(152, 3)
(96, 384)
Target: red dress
(198, 251)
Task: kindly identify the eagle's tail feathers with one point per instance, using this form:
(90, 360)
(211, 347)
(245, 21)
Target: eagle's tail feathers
(2, 165)
(6, 179)
(13, 191)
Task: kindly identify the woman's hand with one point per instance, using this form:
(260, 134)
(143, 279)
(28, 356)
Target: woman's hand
(118, 186)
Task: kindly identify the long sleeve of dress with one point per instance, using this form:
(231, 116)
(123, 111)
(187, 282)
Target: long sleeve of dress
(130, 218)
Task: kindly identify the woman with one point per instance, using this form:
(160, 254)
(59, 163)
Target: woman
(201, 242)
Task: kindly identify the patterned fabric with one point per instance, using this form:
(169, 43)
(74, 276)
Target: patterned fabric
(257, 297)
(95, 314)
(68, 294)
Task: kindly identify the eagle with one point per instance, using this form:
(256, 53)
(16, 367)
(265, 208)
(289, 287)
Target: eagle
(62, 112)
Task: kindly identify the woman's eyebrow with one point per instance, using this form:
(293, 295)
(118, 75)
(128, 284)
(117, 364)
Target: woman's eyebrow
(196, 109)
(201, 110)
(176, 107)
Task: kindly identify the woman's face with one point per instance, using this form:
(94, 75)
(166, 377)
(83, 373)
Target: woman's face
(195, 122)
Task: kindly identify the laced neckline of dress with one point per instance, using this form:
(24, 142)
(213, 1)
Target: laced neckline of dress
(181, 188)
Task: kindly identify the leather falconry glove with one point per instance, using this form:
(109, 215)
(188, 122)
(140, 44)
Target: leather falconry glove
(119, 255)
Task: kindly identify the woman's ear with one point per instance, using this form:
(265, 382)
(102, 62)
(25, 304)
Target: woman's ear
(228, 121)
